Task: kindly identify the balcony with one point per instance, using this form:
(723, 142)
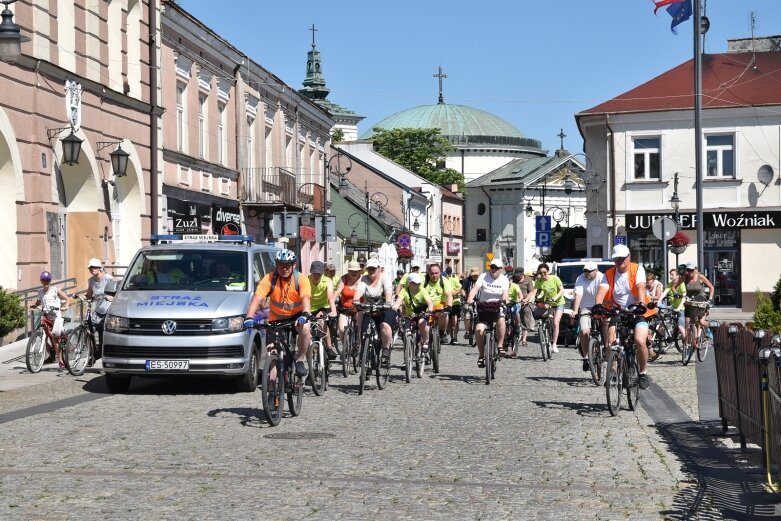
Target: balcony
(272, 186)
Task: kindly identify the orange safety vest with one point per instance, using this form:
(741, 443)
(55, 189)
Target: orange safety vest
(610, 275)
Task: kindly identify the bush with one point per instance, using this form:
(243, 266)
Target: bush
(766, 316)
(775, 297)
(12, 315)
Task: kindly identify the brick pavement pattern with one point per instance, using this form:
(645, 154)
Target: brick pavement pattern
(538, 443)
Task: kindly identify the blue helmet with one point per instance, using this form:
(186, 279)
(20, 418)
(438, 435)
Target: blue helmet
(286, 256)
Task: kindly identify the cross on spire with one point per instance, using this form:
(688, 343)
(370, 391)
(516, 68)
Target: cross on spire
(440, 76)
(313, 35)
(562, 135)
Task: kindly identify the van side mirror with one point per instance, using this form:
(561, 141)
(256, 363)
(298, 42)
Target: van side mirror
(111, 288)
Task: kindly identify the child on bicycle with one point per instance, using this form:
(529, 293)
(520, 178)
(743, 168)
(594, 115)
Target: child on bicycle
(413, 301)
(50, 299)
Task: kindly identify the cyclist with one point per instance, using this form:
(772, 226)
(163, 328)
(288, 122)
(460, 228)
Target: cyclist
(375, 288)
(330, 272)
(439, 291)
(413, 301)
(345, 291)
(653, 288)
(466, 287)
(455, 310)
(696, 283)
(50, 299)
(493, 287)
(397, 280)
(586, 289)
(625, 288)
(551, 290)
(322, 302)
(526, 285)
(287, 296)
(96, 290)
(415, 268)
(676, 293)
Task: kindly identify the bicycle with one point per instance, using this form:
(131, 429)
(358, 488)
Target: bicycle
(695, 341)
(279, 375)
(544, 320)
(413, 349)
(663, 332)
(42, 344)
(490, 351)
(347, 347)
(370, 350)
(434, 339)
(596, 349)
(316, 359)
(470, 315)
(622, 369)
(81, 349)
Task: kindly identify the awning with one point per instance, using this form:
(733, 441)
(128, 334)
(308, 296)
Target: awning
(343, 209)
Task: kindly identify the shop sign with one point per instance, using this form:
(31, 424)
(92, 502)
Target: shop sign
(711, 220)
(721, 240)
(453, 248)
(186, 216)
(226, 220)
(307, 233)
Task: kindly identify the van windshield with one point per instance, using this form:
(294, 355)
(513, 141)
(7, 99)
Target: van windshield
(570, 273)
(195, 270)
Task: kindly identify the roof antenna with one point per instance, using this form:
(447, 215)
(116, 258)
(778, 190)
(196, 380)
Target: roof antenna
(753, 42)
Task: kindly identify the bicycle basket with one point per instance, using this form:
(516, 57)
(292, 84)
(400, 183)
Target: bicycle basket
(489, 307)
(540, 311)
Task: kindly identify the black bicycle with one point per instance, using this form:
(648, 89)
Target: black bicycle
(490, 349)
(470, 317)
(622, 368)
(434, 339)
(543, 316)
(279, 375)
(413, 348)
(371, 356)
(663, 332)
(316, 359)
(596, 349)
(81, 349)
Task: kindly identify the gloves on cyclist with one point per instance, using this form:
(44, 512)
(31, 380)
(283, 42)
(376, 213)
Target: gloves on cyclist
(302, 320)
(651, 305)
(249, 323)
(599, 311)
(638, 309)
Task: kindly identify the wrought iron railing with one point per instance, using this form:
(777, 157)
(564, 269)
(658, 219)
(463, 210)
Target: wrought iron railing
(273, 185)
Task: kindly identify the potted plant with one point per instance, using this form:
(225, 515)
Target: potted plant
(678, 243)
(404, 253)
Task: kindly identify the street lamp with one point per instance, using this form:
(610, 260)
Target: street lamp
(338, 164)
(379, 200)
(10, 35)
(675, 202)
(119, 157)
(71, 145)
(354, 236)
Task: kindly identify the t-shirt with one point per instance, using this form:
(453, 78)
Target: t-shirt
(514, 293)
(676, 294)
(436, 290)
(547, 289)
(526, 285)
(413, 304)
(98, 288)
(589, 289)
(491, 289)
(284, 301)
(455, 288)
(374, 294)
(622, 292)
(319, 293)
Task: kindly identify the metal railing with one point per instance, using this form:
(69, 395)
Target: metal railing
(29, 295)
(273, 185)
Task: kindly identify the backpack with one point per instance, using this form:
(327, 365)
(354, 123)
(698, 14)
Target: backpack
(274, 279)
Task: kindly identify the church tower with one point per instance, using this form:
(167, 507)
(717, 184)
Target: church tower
(315, 89)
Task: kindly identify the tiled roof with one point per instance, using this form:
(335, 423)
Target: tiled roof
(517, 171)
(728, 80)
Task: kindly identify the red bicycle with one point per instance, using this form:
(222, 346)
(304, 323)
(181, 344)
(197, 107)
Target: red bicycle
(43, 344)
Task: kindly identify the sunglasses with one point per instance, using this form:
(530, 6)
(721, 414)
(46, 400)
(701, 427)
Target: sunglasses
(588, 271)
(371, 269)
(619, 260)
(285, 264)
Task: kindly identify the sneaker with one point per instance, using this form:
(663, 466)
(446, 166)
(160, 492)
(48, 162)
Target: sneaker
(331, 354)
(443, 338)
(466, 336)
(386, 354)
(554, 349)
(452, 341)
(481, 363)
(586, 365)
(301, 369)
(643, 381)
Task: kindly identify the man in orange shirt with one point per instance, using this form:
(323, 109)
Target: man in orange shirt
(287, 295)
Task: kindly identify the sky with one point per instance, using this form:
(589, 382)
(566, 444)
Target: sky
(534, 64)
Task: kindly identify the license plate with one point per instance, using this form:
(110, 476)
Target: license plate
(167, 365)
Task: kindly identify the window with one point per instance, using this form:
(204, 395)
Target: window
(221, 134)
(720, 155)
(180, 117)
(250, 142)
(202, 139)
(481, 235)
(481, 209)
(646, 156)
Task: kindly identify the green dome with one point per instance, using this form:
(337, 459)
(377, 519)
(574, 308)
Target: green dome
(462, 125)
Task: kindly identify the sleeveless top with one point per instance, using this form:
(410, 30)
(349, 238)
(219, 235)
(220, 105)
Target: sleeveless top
(348, 292)
(695, 288)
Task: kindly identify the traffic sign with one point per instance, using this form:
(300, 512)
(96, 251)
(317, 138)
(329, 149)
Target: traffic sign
(543, 238)
(330, 228)
(490, 256)
(620, 239)
(664, 228)
(543, 223)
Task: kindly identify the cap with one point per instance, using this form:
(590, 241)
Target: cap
(518, 270)
(373, 263)
(353, 266)
(415, 264)
(94, 263)
(590, 266)
(690, 265)
(620, 250)
(330, 266)
(362, 260)
(496, 263)
(474, 271)
(317, 267)
(415, 278)
(399, 273)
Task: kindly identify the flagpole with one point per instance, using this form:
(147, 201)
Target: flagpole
(698, 134)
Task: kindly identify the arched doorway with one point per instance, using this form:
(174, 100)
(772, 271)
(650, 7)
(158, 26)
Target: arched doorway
(11, 190)
(127, 209)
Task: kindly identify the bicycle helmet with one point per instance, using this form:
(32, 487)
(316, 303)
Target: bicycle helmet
(286, 256)
(46, 276)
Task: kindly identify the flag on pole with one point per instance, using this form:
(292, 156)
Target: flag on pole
(661, 3)
(680, 12)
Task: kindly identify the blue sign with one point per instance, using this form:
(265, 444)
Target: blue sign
(543, 238)
(620, 239)
(543, 224)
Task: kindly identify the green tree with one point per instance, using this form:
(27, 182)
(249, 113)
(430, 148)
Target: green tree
(11, 312)
(421, 150)
(765, 315)
(337, 136)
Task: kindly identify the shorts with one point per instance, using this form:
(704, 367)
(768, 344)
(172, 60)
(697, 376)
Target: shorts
(387, 316)
(527, 320)
(455, 310)
(584, 320)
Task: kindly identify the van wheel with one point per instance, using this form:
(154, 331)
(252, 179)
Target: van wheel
(248, 382)
(117, 384)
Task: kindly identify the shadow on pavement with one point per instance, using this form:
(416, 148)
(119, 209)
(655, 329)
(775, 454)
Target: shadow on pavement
(167, 385)
(248, 416)
(465, 378)
(582, 409)
(568, 380)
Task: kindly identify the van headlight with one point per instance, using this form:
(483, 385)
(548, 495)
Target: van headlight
(116, 324)
(228, 325)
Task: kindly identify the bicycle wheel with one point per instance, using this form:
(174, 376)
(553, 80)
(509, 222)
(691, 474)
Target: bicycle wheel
(541, 339)
(595, 360)
(655, 342)
(632, 375)
(409, 342)
(36, 351)
(703, 345)
(364, 361)
(488, 355)
(383, 369)
(295, 392)
(434, 348)
(494, 358)
(549, 337)
(271, 390)
(77, 350)
(688, 345)
(314, 359)
(344, 355)
(613, 381)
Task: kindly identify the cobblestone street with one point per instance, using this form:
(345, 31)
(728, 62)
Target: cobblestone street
(537, 443)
